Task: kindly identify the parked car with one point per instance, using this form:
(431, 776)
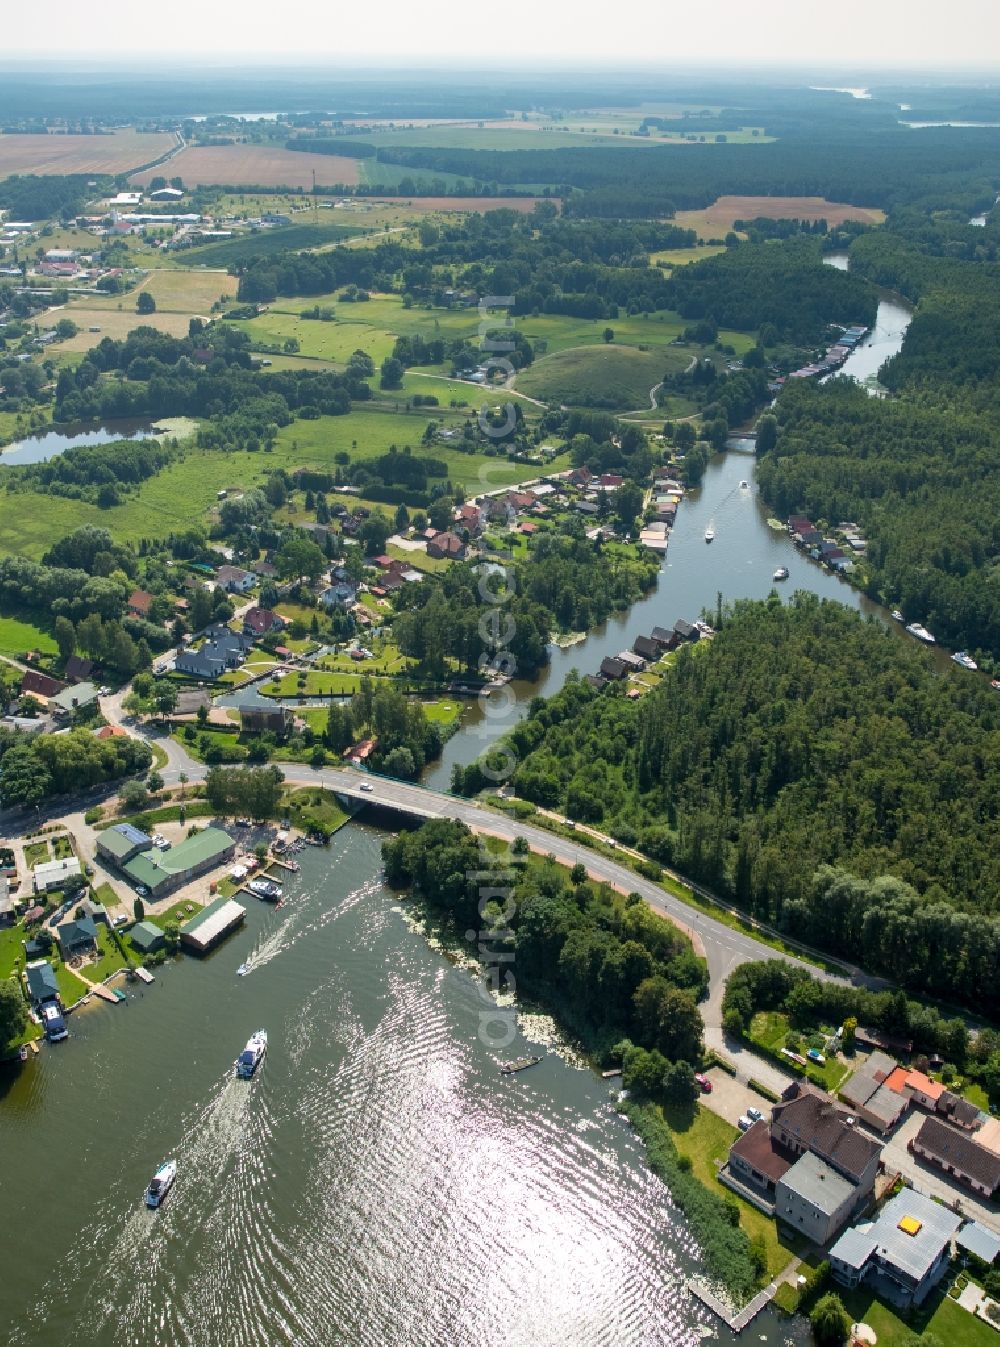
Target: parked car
(754, 1114)
(744, 1123)
(703, 1082)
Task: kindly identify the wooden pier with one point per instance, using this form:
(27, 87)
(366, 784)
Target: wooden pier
(736, 1320)
(144, 975)
(105, 993)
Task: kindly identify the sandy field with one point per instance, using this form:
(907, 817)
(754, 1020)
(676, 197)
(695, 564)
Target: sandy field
(254, 166)
(116, 153)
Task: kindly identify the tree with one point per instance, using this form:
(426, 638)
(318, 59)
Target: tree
(145, 303)
(831, 1324)
(608, 334)
(299, 556)
(24, 780)
(402, 520)
(679, 1085)
(171, 935)
(65, 634)
(13, 1014)
(374, 533)
(767, 433)
(138, 909)
(628, 503)
(391, 375)
(439, 514)
(133, 797)
(155, 782)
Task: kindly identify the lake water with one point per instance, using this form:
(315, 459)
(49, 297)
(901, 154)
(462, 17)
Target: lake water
(50, 443)
(379, 1182)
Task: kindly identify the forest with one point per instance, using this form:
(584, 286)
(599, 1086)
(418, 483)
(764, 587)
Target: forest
(37, 768)
(922, 477)
(800, 736)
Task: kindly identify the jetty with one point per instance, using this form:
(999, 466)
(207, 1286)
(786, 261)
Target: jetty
(144, 975)
(736, 1320)
(105, 993)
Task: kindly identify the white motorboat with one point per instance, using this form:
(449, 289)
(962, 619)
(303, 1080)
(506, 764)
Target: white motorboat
(266, 889)
(965, 660)
(744, 486)
(252, 1055)
(921, 633)
(243, 969)
(161, 1183)
(897, 616)
(710, 531)
(781, 573)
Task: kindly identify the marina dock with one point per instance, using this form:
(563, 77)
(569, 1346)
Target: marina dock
(144, 975)
(105, 993)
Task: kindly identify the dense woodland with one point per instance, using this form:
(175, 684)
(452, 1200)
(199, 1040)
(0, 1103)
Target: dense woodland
(801, 736)
(46, 765)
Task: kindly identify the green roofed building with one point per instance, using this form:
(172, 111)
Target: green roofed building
(163, 871)
(146, 936)
(120, 843)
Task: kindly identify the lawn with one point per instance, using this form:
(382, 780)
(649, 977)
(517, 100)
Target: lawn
(179, 912)
(618, 378)
(442, 713)
(111, 959)
(70, 986)
(681, 257)
(320, 805)
(951, 1325)
(418, 561)
(35, 853)
(706, 1139)
(17, 637)
(11, 949)
(769, 1030)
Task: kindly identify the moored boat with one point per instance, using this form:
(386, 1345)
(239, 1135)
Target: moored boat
(897, 615)
(965, 660)
(266, 889)
(518, 1064)
(921, 633)
(252, 1055)
(161, 1183)
(781, 573)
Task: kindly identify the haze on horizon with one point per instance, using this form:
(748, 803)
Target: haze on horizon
(855, 34)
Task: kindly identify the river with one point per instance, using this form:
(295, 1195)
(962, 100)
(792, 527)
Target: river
(379, 1182)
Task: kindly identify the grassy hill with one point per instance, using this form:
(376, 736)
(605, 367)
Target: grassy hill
(617, 378)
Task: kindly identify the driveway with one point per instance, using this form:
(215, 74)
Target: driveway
(730, 1098)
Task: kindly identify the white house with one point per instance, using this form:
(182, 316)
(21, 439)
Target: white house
(53, 874)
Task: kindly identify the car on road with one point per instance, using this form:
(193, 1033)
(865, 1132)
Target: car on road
(142, 891)
(704, 1084)
(754, 1114)
(744, 1123)
(367, 787)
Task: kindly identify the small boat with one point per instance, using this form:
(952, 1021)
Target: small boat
(921, 633)
(710, 532)
(897, 615)
(518, 1064)
(161, 1183)
(22, 1052)
(266, 889)
(781, 573)
(243, 969)
(995, 684)
(252, 1055)
(965, 660)
(744, 486)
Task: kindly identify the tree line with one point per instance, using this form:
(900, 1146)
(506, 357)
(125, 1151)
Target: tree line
(43, 766)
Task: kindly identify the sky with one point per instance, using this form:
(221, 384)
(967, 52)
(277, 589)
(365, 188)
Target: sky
(856, 33)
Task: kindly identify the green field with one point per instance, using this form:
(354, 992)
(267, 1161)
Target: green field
(17, 637)
(304, 233)
(618, 378)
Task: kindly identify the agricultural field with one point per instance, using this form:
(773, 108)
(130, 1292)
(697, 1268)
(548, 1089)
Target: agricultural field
(307, 232)
(115, 153)
(475, 205)
(718, 218)
(255, 165)
(617, 378)
(682, 257)
(117, 322)
(188, 292)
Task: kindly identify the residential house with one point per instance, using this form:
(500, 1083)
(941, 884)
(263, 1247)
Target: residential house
(871, 1098)
(469, 519)
(923, 1091)
(812, 1122)
(39, 684)
(446, 545)
(201, 664)
(814, 1199)
(903, 1254)
(977, 1239)
(259, 622)
(341, 594)
(685, 630)
(264, 570)
(234, 579)
(758, 1160)
(613, 669)
(139, 603)
(580, 477)
(957, 1154)
(666, 640)
(73, 699)
(120, 843)
(587, 507)
(611, 481)
(43, 989)
(875, 1038)
(958, 1111)
(54, 874)
(77, 936)
(78, 669)
(633, 662)
(266, 719)
(647, 648)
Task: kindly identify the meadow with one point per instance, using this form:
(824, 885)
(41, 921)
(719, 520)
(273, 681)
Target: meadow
(617, 378)
(115, 153)
(17, 637)
(309, 231)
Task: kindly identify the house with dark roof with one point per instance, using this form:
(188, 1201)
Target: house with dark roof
(78, 669)
(42, 985)
(646, 648)
(958, 1155)
(666, 640)
(202, 664)
(41, 685)
(958, 1111)
(685, 630)
(77, 936)
(758, 1160)
(613, 669)
(146, 936)
(814, 1123)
